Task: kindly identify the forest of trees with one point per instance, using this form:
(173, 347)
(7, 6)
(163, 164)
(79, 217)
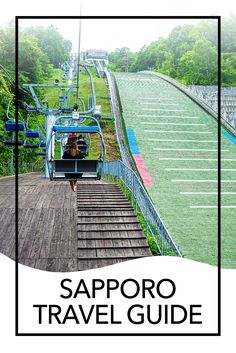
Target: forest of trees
(40, 51)
(188, 54)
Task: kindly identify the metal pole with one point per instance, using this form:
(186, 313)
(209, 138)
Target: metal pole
(117, 173)
(11, 164)
(50, 119)
(132, 196)
(136, 202)
(77, 85)
(125, 182)
(146, 220)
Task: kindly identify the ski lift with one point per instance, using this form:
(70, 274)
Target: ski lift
(42, 144)
(31, 145)
(42, 154)
(12, 142)
(11, 126)
(87, 169)
(32, 134)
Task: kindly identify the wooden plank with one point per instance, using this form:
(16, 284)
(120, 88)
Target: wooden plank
(63, 249)
(21, 219)
(134, 242)
(99, 221)
(142, 252)
(25, 216)
(105, 208)
(63, 265)
(65, 234)
(27, 233)
(27, 262)
(72, 264)
(52, 264)
(109, 258)
(84, 265)
(58, 192)
(110, 234)
(39, 234)
(66, 225)
(8, 237)
(108, 228)
(86, 253)
(54, 249)
(99, 195)
(113, 247)
(56, 233)
(72, 252)
(41, 264)
(104, 200)
(3, 200)
(47, 235)
(8, 217)
(67, 198)
(105, 214)
(9, 201)
(114, 253)
(95, 195)
(85, 243)
(41, 200)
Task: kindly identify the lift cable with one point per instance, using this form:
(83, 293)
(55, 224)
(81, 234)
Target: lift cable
(7, 73)
(77, 86)
(13, 81)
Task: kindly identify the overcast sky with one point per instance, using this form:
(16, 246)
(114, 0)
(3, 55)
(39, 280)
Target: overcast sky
(112, 34)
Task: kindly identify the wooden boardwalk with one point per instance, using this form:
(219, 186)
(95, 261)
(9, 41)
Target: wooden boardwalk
(62, 231)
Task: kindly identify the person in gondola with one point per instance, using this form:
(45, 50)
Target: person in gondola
(72, 152)
(82, 145)
(81, 140)
(71, 138)
(74, 138)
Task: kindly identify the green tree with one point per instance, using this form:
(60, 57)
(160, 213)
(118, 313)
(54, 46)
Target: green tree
(5, 96)
(161, 49)
(188, 54)
(7, 48)
(228, 69)
(34, 66)
(199, 65)
(33, 63)
(51, 42)
(132, 57)
(117, 59)
(168, 67)
(141, 62)
(180, 41)
(206, 29)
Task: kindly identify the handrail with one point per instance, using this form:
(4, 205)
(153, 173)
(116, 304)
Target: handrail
(116, 110)
(154, 223)
(195, 98)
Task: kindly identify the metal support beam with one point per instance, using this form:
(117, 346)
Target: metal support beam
(38, 105)
(49, 122)
(48, 111)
